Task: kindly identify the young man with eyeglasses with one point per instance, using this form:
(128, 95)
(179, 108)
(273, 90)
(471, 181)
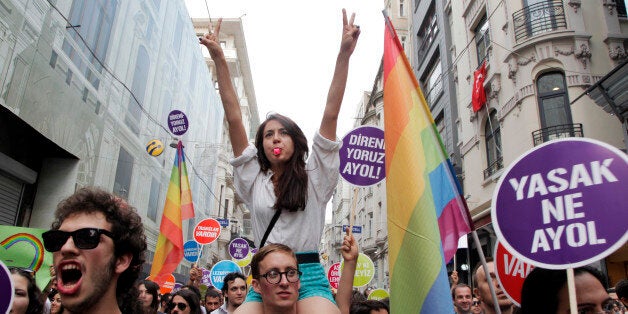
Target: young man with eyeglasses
(234, 290)
(276, 277)
(98, 244)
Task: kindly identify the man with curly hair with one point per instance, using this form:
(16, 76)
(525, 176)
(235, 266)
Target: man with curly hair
(98, 244)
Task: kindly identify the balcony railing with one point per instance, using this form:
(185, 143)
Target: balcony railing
(539, 18)
(557, 131)
(493, 167)
(434, 93)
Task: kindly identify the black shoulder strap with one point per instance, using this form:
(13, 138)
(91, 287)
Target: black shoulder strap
(270, 227)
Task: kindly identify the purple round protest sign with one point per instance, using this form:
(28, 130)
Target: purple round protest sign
(239, 248)
(177, 122)
(362, 156)
(177, 287)
(6, 289)
(563, 204)
(206, 279)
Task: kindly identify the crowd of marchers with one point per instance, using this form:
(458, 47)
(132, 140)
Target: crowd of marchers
(98, 244)
(543, 291)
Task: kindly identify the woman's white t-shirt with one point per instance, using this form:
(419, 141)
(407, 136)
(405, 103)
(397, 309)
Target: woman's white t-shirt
(301, 230)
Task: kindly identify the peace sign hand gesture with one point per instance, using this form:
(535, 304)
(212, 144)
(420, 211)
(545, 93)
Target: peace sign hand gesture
(210, 40)
(350, 33)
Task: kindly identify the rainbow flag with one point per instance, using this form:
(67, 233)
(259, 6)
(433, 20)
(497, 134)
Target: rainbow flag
(178, 207)
(423, 196)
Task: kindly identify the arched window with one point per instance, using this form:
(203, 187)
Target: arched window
(493, 145)
(553, 100)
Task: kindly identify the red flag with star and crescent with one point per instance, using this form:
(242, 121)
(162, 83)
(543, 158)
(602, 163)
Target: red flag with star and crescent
(478, 98)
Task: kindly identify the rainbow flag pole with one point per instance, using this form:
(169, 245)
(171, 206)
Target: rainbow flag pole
(178, 207)
(426, 211)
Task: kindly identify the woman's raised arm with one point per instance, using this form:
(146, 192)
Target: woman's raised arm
(230, 103)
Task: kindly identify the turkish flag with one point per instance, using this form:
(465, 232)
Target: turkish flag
(478, 98)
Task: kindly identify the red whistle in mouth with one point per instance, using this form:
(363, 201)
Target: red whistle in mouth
(276, 151)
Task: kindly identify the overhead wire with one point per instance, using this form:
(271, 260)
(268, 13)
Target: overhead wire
(464, 51)
(131, 93)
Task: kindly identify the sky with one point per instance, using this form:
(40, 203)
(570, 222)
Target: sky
(292, 47)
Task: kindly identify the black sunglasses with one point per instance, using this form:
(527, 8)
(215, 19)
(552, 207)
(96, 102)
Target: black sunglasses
(180, 305)
(84, 239)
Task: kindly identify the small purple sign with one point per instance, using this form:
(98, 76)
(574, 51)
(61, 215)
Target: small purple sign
(362, 156)
(563, 204)
(177, 287)
(239, 248)
(206, 279)
(6, 289)
(177, 122)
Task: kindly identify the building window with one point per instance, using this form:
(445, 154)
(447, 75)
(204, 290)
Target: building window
(540, 16)
(439, 121)
(150, 28)
(622, 7)
(246, 223)
(90, 30)
(140, 77)
(433, 83)
(124, 170)
(370, 220)
(493, 145)
(482, 40)
(166, 106)
(427, 32)
(553, 100)
(402, 10)
(153, 200)
(191, 226)
(193, 75)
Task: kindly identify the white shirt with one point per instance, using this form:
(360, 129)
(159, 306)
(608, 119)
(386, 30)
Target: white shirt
(221, 310)
(301, 230)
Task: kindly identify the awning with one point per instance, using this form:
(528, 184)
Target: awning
(611, 92)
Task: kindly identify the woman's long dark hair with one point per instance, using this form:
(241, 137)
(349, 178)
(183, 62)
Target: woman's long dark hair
(153, 289)
(51, 296)
(191, 298)
(35, 301)
(291, 189)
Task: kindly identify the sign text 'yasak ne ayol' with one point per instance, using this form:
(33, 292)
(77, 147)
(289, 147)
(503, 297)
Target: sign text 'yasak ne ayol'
(563, 204)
